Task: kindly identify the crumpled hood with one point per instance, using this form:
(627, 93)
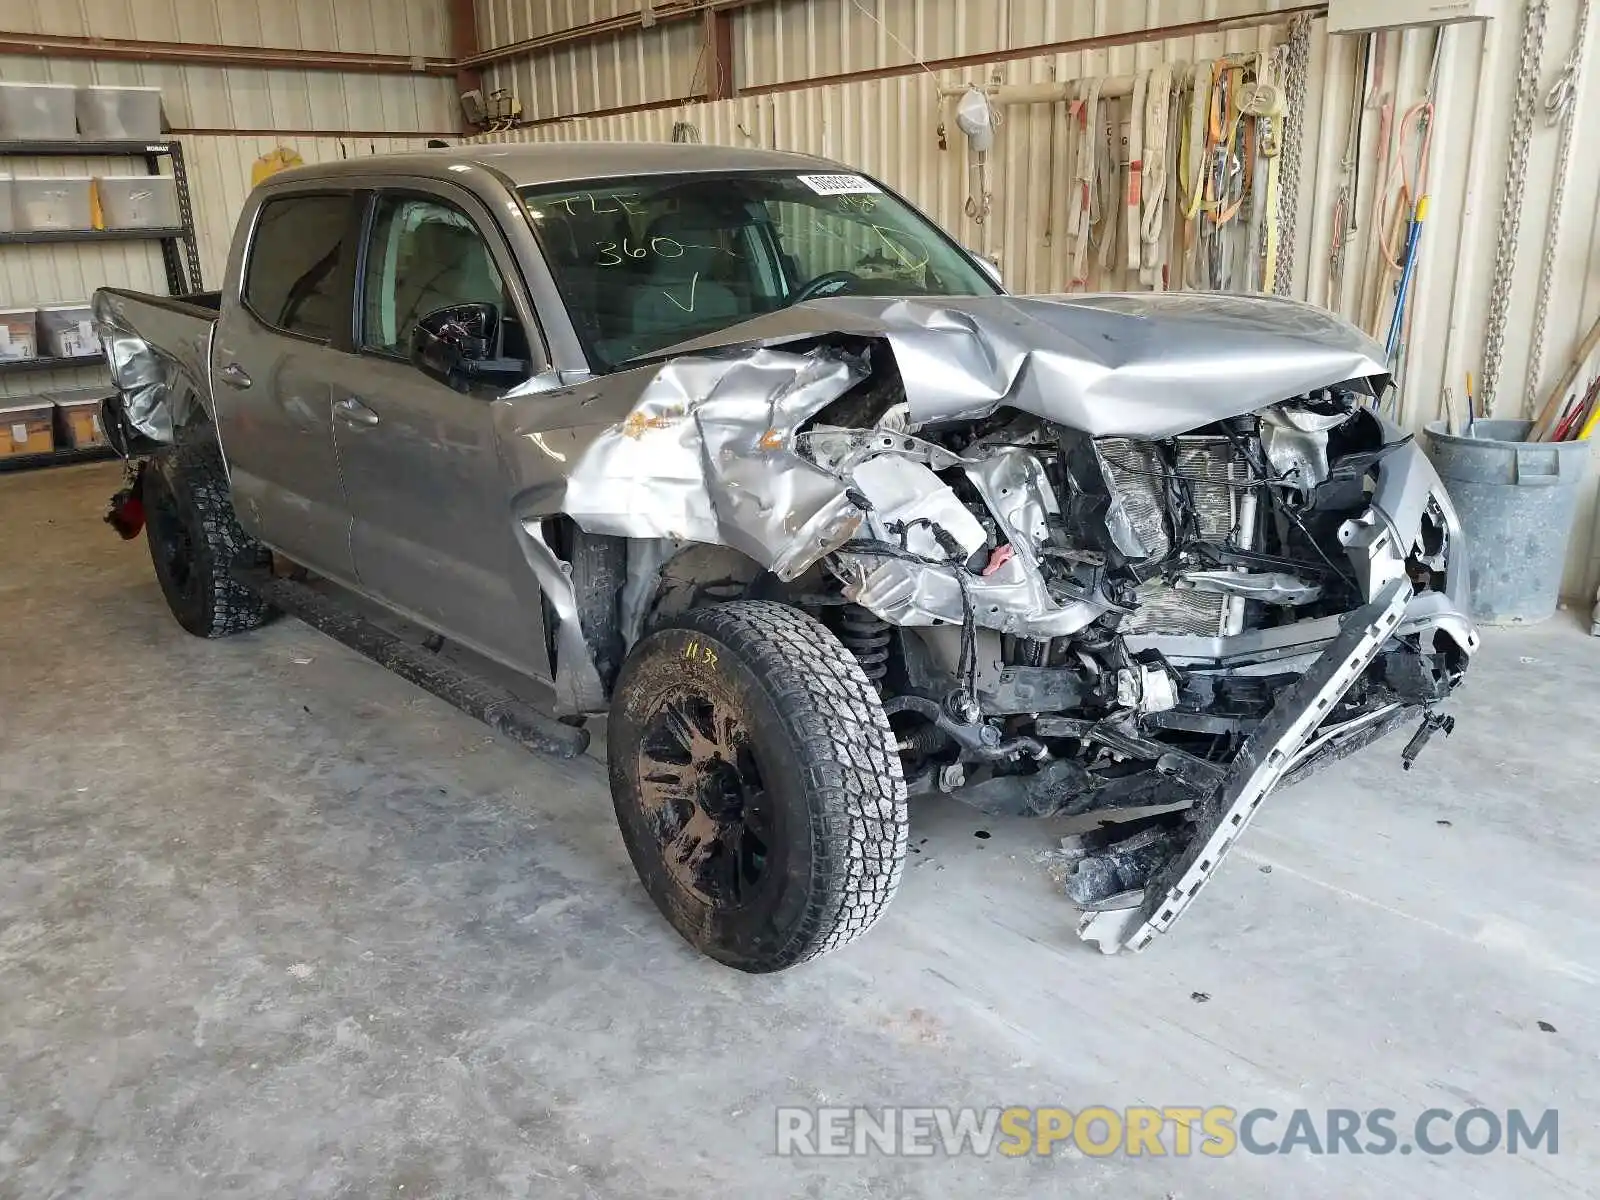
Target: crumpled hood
(1133, 365)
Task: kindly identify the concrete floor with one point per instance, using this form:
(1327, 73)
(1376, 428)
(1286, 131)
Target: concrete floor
(274, 923)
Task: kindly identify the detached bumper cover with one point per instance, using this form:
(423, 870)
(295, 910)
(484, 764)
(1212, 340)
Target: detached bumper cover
(1265, 758)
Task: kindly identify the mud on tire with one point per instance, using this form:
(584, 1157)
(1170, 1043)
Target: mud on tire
(757, 784)
(195, 540)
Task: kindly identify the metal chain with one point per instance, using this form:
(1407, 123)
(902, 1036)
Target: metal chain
(1535, 18)
(1559, 105)
(1297, 62)
(1269, 131)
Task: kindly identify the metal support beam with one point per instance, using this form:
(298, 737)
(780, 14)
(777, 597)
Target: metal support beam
(211, 55)
(720, 83)
(660, 13)
(463, 18)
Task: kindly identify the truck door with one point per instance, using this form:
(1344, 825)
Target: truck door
(432, 534)
(285, 323)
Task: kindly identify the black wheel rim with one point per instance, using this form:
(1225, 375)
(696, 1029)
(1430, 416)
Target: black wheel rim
(706, 801)
(173, 543)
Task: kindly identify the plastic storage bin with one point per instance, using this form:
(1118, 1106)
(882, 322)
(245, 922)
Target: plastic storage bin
(7, 222)
(18, 334)
(38, 112)
(78, 417)
(26, 427)
(40, 204)
(119, 113)
(138, 201)
(67, 331)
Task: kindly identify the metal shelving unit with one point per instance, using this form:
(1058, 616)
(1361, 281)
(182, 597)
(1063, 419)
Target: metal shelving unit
(47, 363)
(86, 235)
(180, 253)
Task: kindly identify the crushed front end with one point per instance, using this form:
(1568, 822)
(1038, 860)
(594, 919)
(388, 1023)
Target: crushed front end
(1156, 632)
(1137, 559)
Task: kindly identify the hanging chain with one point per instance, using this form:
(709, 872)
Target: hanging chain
(1297, 61)
(1559, 104)
(1535, 18)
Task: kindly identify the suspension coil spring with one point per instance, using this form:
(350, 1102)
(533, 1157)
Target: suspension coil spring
(865, 636)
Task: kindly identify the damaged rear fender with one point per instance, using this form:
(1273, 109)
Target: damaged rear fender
(159, 355)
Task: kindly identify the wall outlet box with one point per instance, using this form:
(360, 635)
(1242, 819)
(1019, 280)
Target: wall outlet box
(1369, 16)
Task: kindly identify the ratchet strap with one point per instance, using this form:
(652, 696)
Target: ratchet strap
(1081, 204)
(1135, 197)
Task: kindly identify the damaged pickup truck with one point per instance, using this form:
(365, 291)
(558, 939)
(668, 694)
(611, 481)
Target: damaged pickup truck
(738, 448)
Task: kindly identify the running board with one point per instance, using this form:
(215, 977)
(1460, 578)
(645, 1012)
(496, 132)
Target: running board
(477, 697)
(1265, 758)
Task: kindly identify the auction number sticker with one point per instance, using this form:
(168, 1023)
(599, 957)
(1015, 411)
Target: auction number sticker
(839, 185)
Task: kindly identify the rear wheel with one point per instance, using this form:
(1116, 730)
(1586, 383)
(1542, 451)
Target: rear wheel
(195, 540)
(757, 784)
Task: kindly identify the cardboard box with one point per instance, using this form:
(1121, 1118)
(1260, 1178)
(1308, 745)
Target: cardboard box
(27, 428)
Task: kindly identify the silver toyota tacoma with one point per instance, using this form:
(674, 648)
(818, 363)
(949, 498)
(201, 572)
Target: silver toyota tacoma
(738, 448)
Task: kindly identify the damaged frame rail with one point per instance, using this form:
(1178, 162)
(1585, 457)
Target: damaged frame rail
(1266, 757)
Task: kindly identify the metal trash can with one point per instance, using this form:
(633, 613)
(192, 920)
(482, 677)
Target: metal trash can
(1516, 501)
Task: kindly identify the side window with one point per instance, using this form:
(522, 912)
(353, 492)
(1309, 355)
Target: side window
(426, 255)
(292, 281)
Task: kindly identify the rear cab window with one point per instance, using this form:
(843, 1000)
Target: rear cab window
(293, 280)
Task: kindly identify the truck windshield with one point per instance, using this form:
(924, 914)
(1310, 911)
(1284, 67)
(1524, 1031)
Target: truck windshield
(646, 262)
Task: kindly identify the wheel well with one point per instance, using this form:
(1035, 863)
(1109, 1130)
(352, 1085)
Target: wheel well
(700, 575)
(597, 567)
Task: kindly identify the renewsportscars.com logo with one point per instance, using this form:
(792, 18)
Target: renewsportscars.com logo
(1176, 1130)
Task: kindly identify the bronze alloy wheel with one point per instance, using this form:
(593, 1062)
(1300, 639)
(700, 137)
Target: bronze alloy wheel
(757, 784)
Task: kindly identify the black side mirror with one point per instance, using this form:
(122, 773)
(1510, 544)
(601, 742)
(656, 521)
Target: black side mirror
(460, 346)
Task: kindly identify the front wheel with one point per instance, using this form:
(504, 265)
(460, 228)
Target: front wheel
(757, 784)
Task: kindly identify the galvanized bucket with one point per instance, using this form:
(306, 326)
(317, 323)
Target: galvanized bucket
(1516, 501)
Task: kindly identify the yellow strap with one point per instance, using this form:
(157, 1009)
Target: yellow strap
(1592, 422)
(1199, 115)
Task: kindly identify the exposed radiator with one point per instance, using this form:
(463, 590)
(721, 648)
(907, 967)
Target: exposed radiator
(1219, 481)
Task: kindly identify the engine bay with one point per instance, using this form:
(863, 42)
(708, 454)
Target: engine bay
(1062, 624)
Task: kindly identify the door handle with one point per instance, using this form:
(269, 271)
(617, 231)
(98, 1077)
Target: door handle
(352, 412)
(233, 375)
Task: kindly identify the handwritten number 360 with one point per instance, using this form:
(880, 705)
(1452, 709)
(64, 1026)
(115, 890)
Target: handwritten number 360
(661, 247)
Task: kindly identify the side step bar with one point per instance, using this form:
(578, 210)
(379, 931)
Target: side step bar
(473, 695)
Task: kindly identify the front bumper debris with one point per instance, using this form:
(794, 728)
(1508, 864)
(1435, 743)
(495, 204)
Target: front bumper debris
(1262, 762)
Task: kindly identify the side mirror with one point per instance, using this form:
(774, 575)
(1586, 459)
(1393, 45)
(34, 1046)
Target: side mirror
(988, 267)
(459, 346)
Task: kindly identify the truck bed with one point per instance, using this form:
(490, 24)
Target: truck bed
(159, 352)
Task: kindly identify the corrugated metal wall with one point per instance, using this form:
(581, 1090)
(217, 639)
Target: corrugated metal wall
(793, 40)
(403, 108)
(887, 127)
(645, 67)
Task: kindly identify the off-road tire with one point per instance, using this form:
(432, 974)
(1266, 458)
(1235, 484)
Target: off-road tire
(195, 540)
(832, 784)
